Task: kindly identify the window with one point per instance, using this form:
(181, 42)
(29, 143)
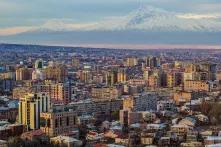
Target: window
(60, 121)
(67, 121)
(74, 120)
(56, 123)
(48, 123)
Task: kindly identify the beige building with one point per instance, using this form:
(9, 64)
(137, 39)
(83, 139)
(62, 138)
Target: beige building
(131, 61)
(85, 76)
(23, 73)
(105, 93)
(181, 130)
(20, 92)
(56, 72)
(58, 92)
(182, 96)
(154, 81)
(59, 121)
(192, 85)
(121, 76)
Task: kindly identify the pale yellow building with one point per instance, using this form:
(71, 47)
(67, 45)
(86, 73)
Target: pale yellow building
(131, 61)
(30, 107)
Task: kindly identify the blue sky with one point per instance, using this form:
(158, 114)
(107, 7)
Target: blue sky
(20, 16)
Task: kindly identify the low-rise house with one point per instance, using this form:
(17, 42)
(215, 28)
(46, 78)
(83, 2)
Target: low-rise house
(155, 127)
(92, 135)
(122, 140)
(188, 121)
(180, 129)
(146, 139)
(66, 141)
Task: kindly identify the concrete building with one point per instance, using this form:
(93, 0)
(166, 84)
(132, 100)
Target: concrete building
(141, 102)
(131, 61)
(56, 72)
(91, 106)
(58, 121)
(105, 93)
(23, 74)
(192, 85)
(58, 92)
(30, 107)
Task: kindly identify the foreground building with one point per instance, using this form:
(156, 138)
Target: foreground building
(59, 121)
(30, 107)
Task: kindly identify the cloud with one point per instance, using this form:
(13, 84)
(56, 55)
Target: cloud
(198, 16)
(66, 25)
(15, 30)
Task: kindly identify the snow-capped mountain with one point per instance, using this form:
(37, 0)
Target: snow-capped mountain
(145, 18)
(149, 18)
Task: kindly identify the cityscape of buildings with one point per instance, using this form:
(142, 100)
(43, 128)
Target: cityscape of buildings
(73, 96)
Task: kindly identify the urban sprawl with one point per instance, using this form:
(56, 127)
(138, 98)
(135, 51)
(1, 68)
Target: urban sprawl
(72, 96)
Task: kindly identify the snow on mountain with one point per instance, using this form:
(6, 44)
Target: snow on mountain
(155, 19)
(148, 18)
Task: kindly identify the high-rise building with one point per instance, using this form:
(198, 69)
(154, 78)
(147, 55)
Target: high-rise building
(121, 76)
(131, 61)
(38, 75)
(58, 92)
(56, 72)
(75, 62)
(111, 77)
(24, 73)
(141, 102)
(154, 81)
(85, 75)
(152, 62)
(30, 107)
(105, 93)
(193, 85)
